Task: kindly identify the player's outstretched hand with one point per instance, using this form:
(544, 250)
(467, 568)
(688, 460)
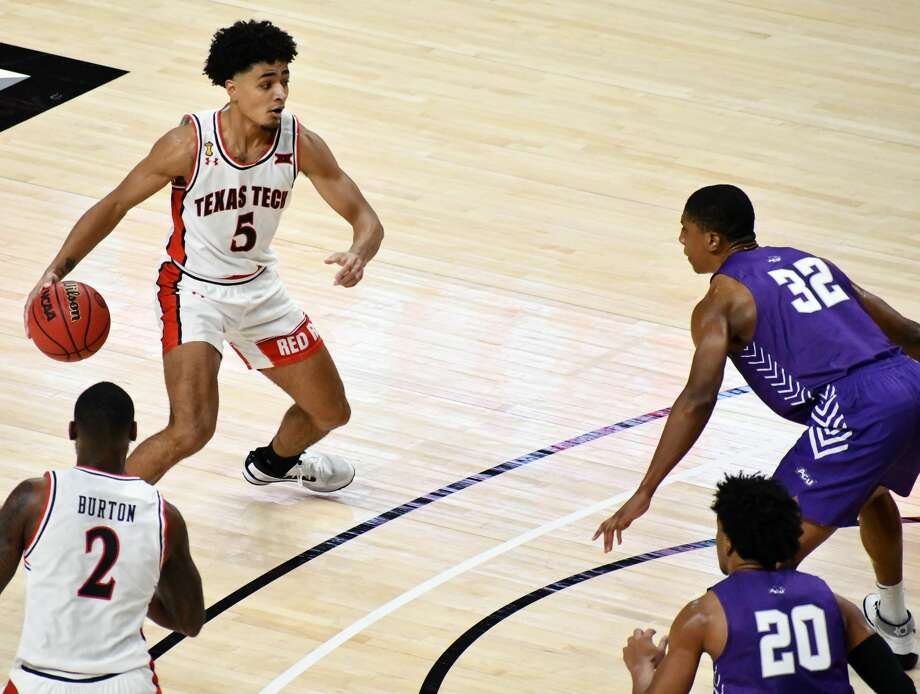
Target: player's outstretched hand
(637, 505)
(352, 268)
(641, 653)
(47, 280)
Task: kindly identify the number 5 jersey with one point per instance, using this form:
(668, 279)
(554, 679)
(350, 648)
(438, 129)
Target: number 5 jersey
(225, 212)
(92, 567)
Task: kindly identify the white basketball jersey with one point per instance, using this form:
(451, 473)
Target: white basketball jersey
(91, 571)
(226, 214)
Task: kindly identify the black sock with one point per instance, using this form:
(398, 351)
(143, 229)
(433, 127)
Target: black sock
(273, 464)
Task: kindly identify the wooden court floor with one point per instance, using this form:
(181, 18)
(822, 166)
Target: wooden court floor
(529, 161)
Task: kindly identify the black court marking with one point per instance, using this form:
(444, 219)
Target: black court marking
(442, 665)
(260, 582)
(51, 80)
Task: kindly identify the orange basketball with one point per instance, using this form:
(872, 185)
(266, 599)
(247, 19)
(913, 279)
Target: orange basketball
(69, 321)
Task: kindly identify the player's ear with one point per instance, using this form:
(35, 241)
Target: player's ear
(133, 434)
(230, 86)
(72, 431)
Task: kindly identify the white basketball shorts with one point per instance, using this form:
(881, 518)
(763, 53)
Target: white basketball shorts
(256, 316)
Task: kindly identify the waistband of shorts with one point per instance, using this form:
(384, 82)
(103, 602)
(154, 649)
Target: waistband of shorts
(69, 677)
(225, 281)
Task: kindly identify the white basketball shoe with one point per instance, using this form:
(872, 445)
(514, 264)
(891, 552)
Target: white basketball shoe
(902, 638)
(318, 472)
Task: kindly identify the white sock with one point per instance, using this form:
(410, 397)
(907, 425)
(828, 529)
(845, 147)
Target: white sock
(891, 603)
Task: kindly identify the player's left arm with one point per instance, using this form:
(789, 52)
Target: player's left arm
(901, 330)
(18, 517)
(670, 667)
(342, 195)
(870, 656)
(691, 411)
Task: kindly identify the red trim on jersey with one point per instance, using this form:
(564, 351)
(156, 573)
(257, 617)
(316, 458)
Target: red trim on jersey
(41, 516)
(191, 179)
(242, 277)
(97, 471)
(156, 680)
(226, 150)
(176, 245)
(11, 688)
(300, 343)
(168, 298)
(296, 148)
(165, 530)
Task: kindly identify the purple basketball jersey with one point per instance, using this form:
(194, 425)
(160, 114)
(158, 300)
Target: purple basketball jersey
(785, 634)
(811, 329)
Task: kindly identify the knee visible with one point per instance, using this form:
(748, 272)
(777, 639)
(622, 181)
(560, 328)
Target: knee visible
(334, 416)
(190, 434)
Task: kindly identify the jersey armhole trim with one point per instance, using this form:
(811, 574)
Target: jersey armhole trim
(728, 628)
(47, 508)
(164, 529)
(296, 148)
(190, 181)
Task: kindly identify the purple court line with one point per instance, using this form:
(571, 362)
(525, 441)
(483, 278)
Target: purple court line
(260, 582)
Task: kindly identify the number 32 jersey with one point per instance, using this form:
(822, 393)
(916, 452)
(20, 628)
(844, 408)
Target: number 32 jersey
(92, 567)
(811, 329)
(225, 215)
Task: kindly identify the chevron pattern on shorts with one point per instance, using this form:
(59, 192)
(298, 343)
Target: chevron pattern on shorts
(775, 375)
(829, 433)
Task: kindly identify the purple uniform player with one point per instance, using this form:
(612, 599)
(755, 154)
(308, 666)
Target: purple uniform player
(818, 350)
(766, 629)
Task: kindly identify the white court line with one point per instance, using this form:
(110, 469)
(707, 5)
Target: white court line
(324, 649)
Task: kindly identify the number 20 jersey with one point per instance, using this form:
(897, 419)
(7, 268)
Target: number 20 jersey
(225, 214)
(785, 634)
(811, 329)
(92, 567)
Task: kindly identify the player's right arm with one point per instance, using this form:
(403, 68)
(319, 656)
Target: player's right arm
(172, 156)
(870, 656)
(18, 517)
(178, 603)
(902, 331)
(712, 333)
(670, 667)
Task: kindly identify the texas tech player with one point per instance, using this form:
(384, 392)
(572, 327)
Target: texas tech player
(232, 172)
(101, 551)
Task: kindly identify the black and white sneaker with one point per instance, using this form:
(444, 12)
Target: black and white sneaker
(902, 638)
(317, 472)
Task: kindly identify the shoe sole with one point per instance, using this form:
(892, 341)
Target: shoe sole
(262, 483)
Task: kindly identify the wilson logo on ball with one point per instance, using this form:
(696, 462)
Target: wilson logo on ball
(73, 293)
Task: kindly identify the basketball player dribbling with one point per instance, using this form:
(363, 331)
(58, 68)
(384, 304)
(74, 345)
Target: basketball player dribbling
(101, 551)
(766, 628)
(232, 172)
(820, 351)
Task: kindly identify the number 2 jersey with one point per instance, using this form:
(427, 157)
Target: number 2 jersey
(811, 329)
(92, 567)
(785, 634)
(225, 215)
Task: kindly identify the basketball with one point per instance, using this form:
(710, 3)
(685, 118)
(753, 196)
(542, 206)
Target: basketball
(69, 321)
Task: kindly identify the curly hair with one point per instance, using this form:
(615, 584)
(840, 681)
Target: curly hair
(724, 209)
(236, 48)
(762, 521)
